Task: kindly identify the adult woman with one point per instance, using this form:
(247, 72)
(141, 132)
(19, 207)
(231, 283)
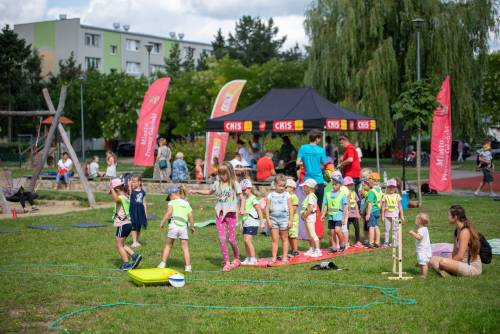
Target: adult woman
(464, 260)
(180, 170)
(111, 162)
(64, 166)
(162, 167)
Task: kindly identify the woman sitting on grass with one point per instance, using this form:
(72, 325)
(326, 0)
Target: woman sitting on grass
(465, 259)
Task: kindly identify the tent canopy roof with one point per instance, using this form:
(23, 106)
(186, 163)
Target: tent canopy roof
(304, 105)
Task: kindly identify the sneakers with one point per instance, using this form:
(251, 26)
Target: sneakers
(162, 265)
(375, 245)
(332, 250)
(386, 245)
(34, 208)
(252, 260)
(317, 253)
(135, 245)
(358, 245)
(309, 252)
(476, 193)
(246, 261)
(125, 266)
(188, 269)
(294, 254)
(342, 248)
(136, 259)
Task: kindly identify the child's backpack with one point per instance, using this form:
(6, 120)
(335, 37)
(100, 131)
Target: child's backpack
(485, 252)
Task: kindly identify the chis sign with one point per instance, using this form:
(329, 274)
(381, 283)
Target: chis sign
(287, 126)
(352, 125)
(237, 126)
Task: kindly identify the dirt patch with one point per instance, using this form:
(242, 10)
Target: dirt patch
(51, 208)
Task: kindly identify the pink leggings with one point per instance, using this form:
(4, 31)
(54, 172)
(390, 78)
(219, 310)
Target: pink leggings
(230, 220)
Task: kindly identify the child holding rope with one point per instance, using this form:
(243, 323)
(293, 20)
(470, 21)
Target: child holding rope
(279, 219)
(123, 225)
(229, 200)
(391, 210)
(252, 220)
(179, 214)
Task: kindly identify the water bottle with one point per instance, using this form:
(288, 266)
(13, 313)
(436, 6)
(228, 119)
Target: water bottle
(14, 213)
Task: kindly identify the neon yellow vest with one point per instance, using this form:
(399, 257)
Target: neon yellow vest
(334, 203)
(391, 201)
(352, 200)
(305, 203)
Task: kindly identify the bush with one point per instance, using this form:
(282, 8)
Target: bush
(148, 173)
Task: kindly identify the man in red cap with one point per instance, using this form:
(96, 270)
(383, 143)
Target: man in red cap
(349, 162)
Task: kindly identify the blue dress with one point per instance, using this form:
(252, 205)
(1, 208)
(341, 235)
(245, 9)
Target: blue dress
(137, 211)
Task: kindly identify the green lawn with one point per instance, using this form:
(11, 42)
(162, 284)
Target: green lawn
(47, 274)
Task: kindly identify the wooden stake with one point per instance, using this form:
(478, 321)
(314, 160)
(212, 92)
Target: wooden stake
(400, 256)
(50, 135)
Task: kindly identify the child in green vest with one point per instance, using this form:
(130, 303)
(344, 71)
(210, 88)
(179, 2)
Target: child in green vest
(373, 210)
(123, 225)
(309, 206)
(179, 214)
(335, 205)
(293, 233)
(252, 220)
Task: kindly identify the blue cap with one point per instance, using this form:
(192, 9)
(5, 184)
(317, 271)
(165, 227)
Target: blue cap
(173, 189)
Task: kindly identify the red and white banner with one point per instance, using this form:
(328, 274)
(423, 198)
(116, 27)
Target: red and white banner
(440, 163)
(225, 104)
(149, 121)
(287, 126)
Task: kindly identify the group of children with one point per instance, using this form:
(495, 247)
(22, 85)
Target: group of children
(279, 211)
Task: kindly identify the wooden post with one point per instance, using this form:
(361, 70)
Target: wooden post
(400, 271)
(3, 202)
(52, 131)
(74, 157)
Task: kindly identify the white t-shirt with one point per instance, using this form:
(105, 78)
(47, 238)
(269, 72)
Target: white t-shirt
(360, 153)
(67, 165)
(93, 169)
(245, 155)
(238, 163)
(424, 245)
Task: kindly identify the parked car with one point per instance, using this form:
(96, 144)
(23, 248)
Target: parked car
(126, 149)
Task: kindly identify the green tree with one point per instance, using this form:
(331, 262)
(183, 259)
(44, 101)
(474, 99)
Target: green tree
(173, 64)
(188, 64)
(253, 42)
(69, 69)
(415, 107)
(201, 64)
(362, 52)
(219, 45)
(491, 93)
(293, 54)
(20, 76)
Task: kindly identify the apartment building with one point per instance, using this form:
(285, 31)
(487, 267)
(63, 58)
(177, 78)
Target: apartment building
(114, 49)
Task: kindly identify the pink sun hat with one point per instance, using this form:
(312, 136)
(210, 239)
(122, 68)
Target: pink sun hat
(392, 183)
(348, 180)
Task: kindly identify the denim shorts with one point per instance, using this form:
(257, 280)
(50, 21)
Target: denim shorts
(281, 224)
(374, 219)
(123, 231)
(332, 224)
(250, 230)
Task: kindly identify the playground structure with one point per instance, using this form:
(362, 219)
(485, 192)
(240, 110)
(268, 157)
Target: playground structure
(397, 256)
(55, 125)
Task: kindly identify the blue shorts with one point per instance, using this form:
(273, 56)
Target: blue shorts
(332, 224)
(250, 230)
(374, 219)
(281, 224)
(123, 231)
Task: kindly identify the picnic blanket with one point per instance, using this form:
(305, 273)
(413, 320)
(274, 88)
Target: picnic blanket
(495, 246)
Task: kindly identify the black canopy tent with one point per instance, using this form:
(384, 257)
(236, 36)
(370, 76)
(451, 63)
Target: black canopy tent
(292, 111)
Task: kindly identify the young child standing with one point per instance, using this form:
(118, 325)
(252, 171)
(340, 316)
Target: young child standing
(391, 210)
(228, 198)
(198, 170)
(293, 232)
(353, 216)
(179, 214)
(335, 205)
(138, 208)
(252, 220)
(373, 210)
(309, 215)
(123, 225)
(279, 219)
(423, 242)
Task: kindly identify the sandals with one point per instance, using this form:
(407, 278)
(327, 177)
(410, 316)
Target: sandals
(227, 267)
(235, 264)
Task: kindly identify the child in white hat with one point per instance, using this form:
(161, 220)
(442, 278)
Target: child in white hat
(309, 215)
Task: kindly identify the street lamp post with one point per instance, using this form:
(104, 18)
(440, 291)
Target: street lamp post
(149, 47)
(82, 77)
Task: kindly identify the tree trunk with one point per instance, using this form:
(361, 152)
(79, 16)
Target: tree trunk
(419, 165)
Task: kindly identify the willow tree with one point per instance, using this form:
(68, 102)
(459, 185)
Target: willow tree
(363, 52)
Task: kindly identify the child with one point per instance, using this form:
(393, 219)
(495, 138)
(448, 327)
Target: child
(345, 191)
(353, 216)
(123, 224)
(373, 210)
(335, 205)
(278, 216)
(138, 205)
(423, 243)
(485, 164)
(179, 214)
(251, 220)
(309, 205)
(391, 211)
(198, 170)
(227, 193)
(363, 192)
(293, 232)
(329, 169)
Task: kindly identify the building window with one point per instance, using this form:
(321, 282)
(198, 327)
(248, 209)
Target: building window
(113, 49)
(133, 67)
(92, 63)
(156, 48)
(133, 45)
(92, 40)
(156, 68)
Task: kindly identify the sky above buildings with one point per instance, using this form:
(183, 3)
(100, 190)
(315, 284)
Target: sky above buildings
(197, 19)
